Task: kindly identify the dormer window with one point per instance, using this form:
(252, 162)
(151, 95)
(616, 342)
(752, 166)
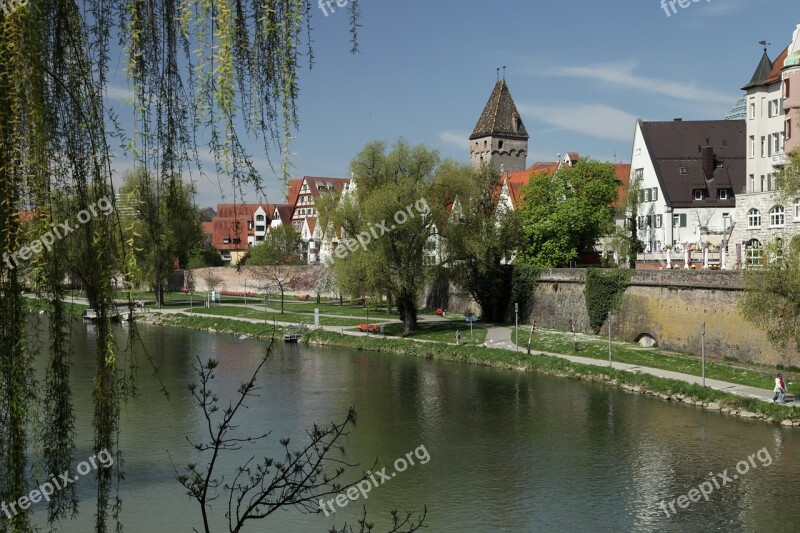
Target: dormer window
(698, 194)
(723, 194)
(682, 170)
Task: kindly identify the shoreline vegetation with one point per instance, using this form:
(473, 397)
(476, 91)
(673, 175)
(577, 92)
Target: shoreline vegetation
(637, 383)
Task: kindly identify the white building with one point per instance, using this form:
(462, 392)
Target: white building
(688, 174)
(762, 218)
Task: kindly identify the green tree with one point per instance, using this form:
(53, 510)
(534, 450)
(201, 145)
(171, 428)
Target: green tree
(481, 237)
(788, 178)
(392, 211)
(204, 256)
(281, 246)
(163, 224)
(566, 211)
(771, 300)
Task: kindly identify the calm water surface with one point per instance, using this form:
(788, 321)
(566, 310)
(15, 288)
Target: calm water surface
(508, 451)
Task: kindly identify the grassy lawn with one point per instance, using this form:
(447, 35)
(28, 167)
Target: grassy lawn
(439, 331)
(296, 318)
(333, 308)
(596, 347)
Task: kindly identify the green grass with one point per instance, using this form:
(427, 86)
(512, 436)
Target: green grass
(596, 347)
(507, 359)
(221, 325)
(333, 308)
(439, 331)
(295, 318)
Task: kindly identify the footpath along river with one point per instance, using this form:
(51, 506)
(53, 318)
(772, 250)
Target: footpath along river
(492, 450)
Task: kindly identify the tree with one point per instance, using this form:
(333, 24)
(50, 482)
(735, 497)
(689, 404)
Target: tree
(788, 178)
(298, 480)
(771, 300)
(204, 256)
(387, 223)
(281, 245)
(566, 211)
(480, 238)
(280, 277)
(163, 224)
(214, 74)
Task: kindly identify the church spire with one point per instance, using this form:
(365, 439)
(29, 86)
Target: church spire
(500, 137)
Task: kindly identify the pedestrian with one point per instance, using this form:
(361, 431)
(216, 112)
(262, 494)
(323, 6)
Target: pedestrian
(458, 336)
(780, 389)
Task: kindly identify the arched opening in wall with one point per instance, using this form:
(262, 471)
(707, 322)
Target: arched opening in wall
(646, 340)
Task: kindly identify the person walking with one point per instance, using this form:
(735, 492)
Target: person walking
(780, 389)
(458, 336)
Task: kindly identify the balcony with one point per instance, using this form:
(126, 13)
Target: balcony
(778, 160)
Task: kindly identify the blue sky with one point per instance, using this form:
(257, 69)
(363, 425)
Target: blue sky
(580, 71)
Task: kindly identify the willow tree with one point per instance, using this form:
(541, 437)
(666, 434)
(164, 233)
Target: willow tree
(199, 72)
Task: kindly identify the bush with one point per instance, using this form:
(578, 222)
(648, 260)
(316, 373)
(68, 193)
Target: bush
(603, 292)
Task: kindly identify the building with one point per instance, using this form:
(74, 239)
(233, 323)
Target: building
(499, 138)
(238, 227)
(773, 114)
(688, 174)
(305, 192)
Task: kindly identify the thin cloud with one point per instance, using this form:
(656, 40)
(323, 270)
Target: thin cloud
(118, 93)
(455, 139)
(601, 121)
(622, 75)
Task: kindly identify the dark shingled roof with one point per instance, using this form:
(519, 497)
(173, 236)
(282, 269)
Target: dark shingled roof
(677, 144)
(498, 116)
(761, 74)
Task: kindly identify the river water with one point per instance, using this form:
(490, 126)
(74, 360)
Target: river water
(502, 450)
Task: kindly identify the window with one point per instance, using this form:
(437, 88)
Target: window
(763, 146)
(786, 88)
(762, 183)
(724, 144)
(679, 221)
(648, 195)
(776, 217)
(718, 163)
(723, 194)
(641, 221)
(788, 133)
(797, 211)
(259, 238)
(655, 194)
(260, 228)
(500, 144)
(641, 196)
(754, 218)
(698, 194)
(249, 225)
(259, 218)
(752, 150)
(753, 253)
(683, 170)
(658, 221)
(638, 173)
(752, 110)
(752, 183)
(769, 181)
(226, 240)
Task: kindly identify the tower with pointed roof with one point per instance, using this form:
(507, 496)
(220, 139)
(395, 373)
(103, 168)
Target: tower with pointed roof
(499, 137)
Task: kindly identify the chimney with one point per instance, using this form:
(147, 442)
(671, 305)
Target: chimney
(708, 162)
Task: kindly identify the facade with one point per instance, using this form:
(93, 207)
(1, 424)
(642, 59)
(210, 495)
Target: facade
(499, 138)
(305, 192)
(773, 114)
(689, 175)
(238, 227)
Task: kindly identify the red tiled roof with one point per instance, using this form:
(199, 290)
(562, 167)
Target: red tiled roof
(775, 73)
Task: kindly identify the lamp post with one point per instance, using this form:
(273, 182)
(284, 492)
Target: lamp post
(516, 327)
(609, 338)
(703, 350)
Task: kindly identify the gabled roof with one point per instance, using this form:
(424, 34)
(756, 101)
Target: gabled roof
(500, 116)
(679, 144)
(293, 191)
(775, 73)
(318, 185)
(284, 213)
(762, 72)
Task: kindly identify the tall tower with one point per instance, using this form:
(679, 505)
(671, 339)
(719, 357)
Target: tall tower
(500, 137)
(791, 93)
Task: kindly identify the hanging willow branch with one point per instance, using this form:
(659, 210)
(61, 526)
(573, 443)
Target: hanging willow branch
(201, 73)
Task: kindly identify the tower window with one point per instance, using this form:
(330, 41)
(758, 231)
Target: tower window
(500, 144)
(485, 144)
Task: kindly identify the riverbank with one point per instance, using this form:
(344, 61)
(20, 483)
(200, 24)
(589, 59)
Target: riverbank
(634, 382)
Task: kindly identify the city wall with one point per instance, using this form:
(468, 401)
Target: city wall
(666, 307)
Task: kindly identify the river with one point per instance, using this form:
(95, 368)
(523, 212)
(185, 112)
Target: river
(493, 450)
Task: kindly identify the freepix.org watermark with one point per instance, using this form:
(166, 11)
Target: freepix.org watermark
(717, 481)
(102, 460)
(106, 207)
(326, 5)
(378, 230)
(668, 5)
(363, 487)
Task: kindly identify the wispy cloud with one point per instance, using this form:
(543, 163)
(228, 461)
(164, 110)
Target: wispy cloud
(455, 139)
(622, 75)
(118, 93)
(601, 121)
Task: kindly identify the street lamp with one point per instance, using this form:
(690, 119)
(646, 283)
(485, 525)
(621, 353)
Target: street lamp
(516, 327)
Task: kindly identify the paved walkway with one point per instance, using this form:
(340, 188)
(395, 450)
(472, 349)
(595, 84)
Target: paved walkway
(500, 337)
